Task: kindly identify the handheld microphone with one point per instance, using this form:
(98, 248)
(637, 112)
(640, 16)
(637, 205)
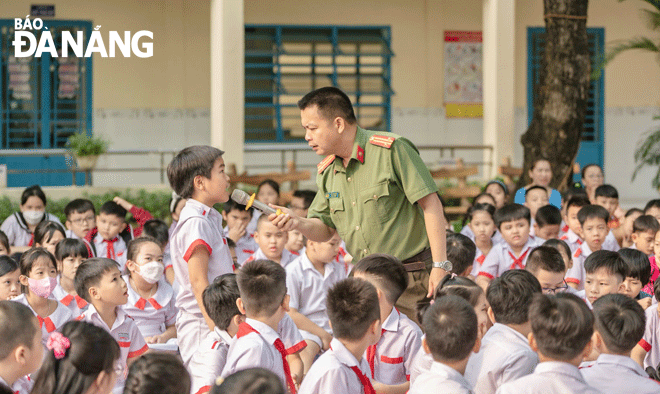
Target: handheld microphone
(243, 198)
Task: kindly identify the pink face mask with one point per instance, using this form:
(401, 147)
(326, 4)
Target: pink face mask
(42, 287)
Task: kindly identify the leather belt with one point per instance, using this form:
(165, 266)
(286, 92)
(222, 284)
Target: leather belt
(419, 261)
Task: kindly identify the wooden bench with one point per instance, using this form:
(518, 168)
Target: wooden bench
(292, 176)
(462, 190)
(508, 173)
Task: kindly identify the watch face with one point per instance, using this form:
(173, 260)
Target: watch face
(448, 266)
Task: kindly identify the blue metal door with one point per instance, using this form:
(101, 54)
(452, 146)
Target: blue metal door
(44, 101)
(593, 142)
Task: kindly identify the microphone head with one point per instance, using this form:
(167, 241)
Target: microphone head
(240, 196)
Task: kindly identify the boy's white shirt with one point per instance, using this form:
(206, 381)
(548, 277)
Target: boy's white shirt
(440, 379)
(332, 373)
(307, 288)
(209, 360)
(505, 355)
(245, 246)
(550, 377)
(651, 339)
(499, 261)
(286, 259)
(619, 375)
(577, 274)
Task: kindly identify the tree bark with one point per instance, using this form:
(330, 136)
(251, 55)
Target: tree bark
(561, 95)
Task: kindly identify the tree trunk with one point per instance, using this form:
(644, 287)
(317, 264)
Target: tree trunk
(561, 94)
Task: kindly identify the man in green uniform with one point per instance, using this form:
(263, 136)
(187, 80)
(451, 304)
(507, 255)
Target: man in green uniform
(375, 191)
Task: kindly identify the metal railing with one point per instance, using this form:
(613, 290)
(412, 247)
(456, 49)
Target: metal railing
(287, 152)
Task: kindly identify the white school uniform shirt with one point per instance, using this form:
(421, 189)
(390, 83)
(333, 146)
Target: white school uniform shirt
(198, 225)
(154, 315)
(209, 360)
(440, 379)
(23, 385)
(51, 322)
(255, 349)
(307, 288)
(332, 373)
(126, 333)
(390, 360)
(76, 304)
(17, 230)
(118, 245)
(245, 246)
(286, 259)
(577, 274)
(550, 377)
(499, 258)
(505, 355)
(479, 259)
(651, 339)
(614, 374)
(574, 241)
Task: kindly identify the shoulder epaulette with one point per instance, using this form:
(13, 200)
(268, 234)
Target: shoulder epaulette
(325, 163)
(381, 140)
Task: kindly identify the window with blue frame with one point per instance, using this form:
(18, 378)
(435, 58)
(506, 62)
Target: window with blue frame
(592, 144)
(44, 100)
(284, 62)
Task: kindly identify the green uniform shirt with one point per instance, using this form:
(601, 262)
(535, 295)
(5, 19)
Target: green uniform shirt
(371, 202)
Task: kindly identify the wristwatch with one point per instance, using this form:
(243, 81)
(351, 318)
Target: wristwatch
(445, 265)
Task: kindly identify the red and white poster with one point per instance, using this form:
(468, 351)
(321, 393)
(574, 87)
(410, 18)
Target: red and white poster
(463, 79)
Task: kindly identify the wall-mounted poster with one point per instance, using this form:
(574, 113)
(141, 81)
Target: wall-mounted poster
(463, 80)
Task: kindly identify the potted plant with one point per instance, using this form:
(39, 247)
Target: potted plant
(86, 149)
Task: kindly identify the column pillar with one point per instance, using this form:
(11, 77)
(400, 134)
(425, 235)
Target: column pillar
(498, 80)
(228, 80)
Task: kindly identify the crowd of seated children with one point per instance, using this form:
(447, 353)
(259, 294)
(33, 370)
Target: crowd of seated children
(291, 310)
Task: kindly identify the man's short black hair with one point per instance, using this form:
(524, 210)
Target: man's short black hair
(331, 103)
(511, 212)
(89, 274)
(451, 328)
(562, 325)
(219, 300)
(535, 187)
(388, 272)
(306, 195)
(187, 164)
(548, 215)
(621, 322)
(545, 258)
(652, 204)
(592, 212)
(232, 205)
(114, 209)
(262, 284)
(158, 230)
(510, 294)
(611, 261)
(608, 191)
(461, 252)
(646, 223)
(638, 264)
(352, 306)
(79, 205)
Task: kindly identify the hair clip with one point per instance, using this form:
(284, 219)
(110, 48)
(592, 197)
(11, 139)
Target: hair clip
(58, 343)
(453, 275)
(431, 302)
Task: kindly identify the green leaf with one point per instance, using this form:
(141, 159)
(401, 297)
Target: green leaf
(642, 43)
(81, 144)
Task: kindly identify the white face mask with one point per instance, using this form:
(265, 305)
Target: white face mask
(33, 217)
(152, 271)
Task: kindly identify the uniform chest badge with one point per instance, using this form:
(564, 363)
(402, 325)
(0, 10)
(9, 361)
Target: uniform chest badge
(332, 195)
